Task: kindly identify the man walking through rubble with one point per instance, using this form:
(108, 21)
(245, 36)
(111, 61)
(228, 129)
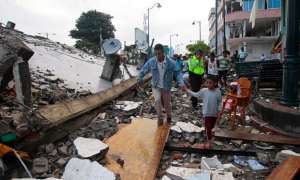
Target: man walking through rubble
(162, 69)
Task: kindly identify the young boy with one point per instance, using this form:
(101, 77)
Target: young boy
(211, 109)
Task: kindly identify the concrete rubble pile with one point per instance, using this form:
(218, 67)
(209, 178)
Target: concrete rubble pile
(185, 165)
(24, 90)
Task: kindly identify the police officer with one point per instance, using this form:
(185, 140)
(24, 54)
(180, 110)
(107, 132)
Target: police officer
(196, 72)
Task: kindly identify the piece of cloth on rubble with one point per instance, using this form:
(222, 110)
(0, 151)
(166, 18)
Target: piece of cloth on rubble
(169, 73)
(211, 101)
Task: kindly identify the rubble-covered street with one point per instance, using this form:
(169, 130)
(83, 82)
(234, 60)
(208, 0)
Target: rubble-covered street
(87, 94)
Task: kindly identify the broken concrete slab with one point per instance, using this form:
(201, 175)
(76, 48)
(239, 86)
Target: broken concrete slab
(87, 147)
(187, 127)
(285, 154)
(182, 172)
(203, 175)
(127, 105)
(222, 176)
(22, 79)
(176, 128)
(84, 169)
(11, 47)
(211, 164)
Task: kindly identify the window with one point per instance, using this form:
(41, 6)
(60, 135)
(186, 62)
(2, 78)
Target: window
(262, 4)
(274, 4)
(247, 5)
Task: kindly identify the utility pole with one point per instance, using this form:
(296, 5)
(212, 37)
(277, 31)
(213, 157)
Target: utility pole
(199, 22)
(216, 26)
(158, 5)
(224, 27)
(171, 41)
(291, 63)
(100, 40)
(148, 26)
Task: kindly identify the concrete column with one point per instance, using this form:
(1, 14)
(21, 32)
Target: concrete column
(291, 63)
(22, 79)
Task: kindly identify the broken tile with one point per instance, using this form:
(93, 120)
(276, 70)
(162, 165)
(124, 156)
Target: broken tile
(127, 105)
(189, 127)
(84, 169)
(182, 172)
(87, 147)
(222, 176)
(211, 164)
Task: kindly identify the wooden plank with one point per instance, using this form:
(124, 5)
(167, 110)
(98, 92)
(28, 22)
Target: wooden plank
(287, 170)
(61, 112)
(140, 145)
(257, 137)
(191, 149)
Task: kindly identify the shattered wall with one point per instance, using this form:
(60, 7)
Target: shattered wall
(12, 49)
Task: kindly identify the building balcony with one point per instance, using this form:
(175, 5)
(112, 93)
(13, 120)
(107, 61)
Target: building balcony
(261, 14)
(252, 39)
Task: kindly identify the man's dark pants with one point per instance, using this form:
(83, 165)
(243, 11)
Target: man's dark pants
(196, 83)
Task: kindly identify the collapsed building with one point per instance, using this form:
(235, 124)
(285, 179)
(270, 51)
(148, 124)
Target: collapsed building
(239, 33)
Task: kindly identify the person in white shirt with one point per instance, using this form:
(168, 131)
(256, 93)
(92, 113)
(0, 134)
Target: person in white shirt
(212, 68)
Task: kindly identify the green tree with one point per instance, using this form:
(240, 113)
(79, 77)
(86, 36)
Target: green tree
(88, 27)
(199, 45)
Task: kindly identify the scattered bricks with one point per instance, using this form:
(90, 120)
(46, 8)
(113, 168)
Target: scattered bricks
(63, 149)
(61, 162)
(98, 125)
(263, 158)
(49, 148)
(40, 165)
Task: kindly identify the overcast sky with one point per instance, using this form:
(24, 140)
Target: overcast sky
(59, 16)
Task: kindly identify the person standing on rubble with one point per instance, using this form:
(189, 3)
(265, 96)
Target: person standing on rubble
(212, 68)
(196, 73)
(223, 68)
(242, 55)
(162, 69)
(211, 109)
